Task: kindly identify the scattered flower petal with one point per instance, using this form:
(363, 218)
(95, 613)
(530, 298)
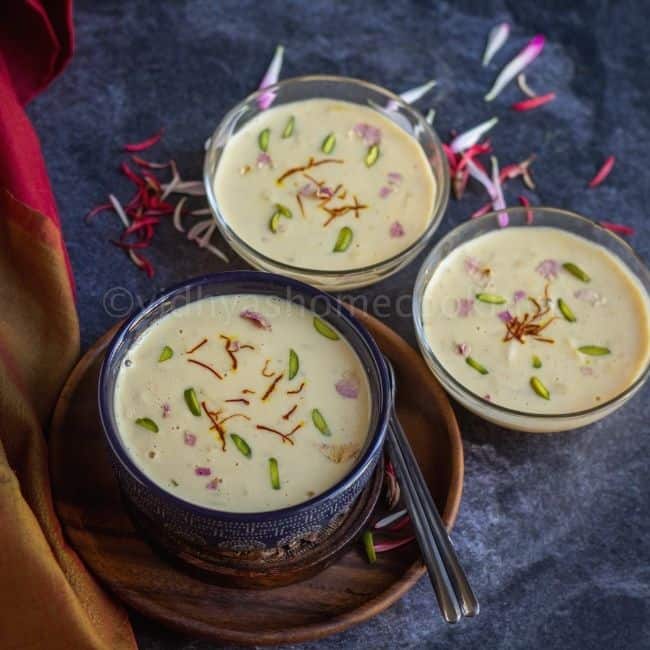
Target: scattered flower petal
(256, 318)
(178, 211)
(202, 471)
(394, 178)
(472, 136)
(505, 316)
(512, 69)
(618, 228)
(519, 295)
(264, 160)
(483, 210)
(463, 349)
(497, 36)
(499, 202)
(548, 269)
(479, 174)
(370, 134)
(529, 213)
(145, 144)
(533, 102)
(590, 296)
(412, 95)
(396, 230)
(385, 191)
(431, 115)
(166, 409)
(189, 439)
(524, 87)
(382, 547)
(389, 519)
(603, 172)
(271, 77)
(213, 484)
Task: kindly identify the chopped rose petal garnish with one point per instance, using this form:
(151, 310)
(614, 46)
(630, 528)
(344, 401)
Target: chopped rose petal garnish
(308, 189)
(370, 134)
(472, 265)
(463, 349)
(385, 191)
(519, 295)
(510, 71)
(589, 295)
(202, 471)
(396, 230)
(529, 213)
(464, 306)
(264, 160)
(472, 136)
(189, 439)
(145, 144)
(524, 87)
(603, 172)
(271, 77)
(394, 178)
(586, 370)
(166, 409)
(497, 36)
(256, 318)
(348, 387)
(533, 102)
(488, 397)
(548, 269)
(412, 95)
(505, 316)
(213, 484)
(618, 228)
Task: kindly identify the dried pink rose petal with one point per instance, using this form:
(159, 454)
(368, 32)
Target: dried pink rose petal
(519, 295)
(202, 471)
(308, 189)
(256, 318)
(189, 439)
(264, 160)
(488, 397)
(464, 306)
(396, 230)
(586, 370)
(370, 134)
(590, 296)
(463, 349)
(213, 484)
(166, 409)
(394, 178)
(549, 269)
(505, 316)
(348, 386)
(385, 191)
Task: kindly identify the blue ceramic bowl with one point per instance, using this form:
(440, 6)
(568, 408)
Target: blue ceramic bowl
(205, 529)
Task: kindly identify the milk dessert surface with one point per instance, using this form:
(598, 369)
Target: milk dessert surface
(325, 184)
(538, 320)
(243, 403)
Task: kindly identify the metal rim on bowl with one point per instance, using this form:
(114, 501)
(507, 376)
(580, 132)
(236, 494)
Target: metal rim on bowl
(393, 263)
(373, 448)
(446, 378)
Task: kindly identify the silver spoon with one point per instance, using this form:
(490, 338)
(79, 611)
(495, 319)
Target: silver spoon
(453, 591)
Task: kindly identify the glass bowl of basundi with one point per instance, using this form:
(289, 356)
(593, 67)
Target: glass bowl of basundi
(329, 180)
(244, 413)
(539, 326)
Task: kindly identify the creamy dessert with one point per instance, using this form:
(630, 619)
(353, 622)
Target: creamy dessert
(243, 403)
(538, 320)
(324, 184)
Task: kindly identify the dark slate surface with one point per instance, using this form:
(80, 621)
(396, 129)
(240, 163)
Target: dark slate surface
(553, 529)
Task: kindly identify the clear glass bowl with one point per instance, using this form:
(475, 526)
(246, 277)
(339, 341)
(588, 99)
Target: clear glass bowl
(343, 89)
(542, 216)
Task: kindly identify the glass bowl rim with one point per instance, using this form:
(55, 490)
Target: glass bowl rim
(419, 289)
(282, 267)
(381, 388)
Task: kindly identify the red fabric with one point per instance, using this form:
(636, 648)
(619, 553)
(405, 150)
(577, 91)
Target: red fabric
(36, 41)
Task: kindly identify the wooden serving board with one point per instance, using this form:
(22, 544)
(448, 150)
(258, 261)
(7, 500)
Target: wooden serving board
(348, 592)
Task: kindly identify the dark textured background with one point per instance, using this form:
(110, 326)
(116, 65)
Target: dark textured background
(553, 529)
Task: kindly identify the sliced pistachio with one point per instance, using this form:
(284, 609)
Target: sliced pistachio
(328, 143)
(241, 444)
(283, 210)
(320, 423)
(479, 367)
(294, 364)
(594, 350)
(192, 401)
(324, 329)
(372, 155)
(274, 222)
(274, 472)
(165, 354)
(565, 310)
(537, 362)
(537, 385)
(576, 271)
(369, 546)
(263, 139)
(491, 298)
(344, 240)
(288, 129)
(147, 423)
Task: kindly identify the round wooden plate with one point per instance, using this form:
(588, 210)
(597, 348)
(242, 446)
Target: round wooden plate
(348, 592)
